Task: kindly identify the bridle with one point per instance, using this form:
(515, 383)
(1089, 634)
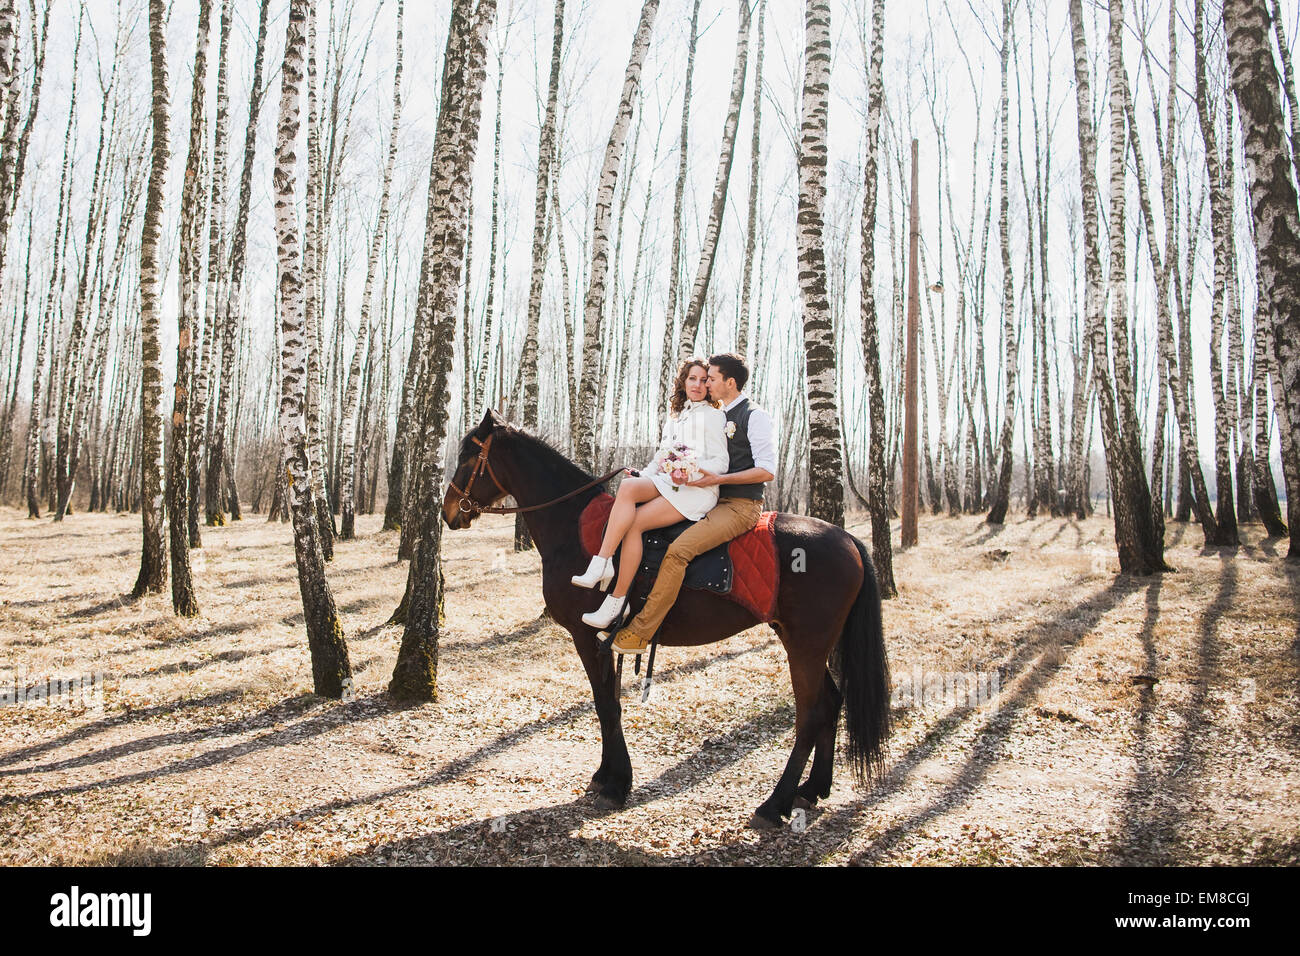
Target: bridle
(481, 465)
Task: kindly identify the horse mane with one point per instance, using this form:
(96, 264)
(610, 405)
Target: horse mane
(549, 459)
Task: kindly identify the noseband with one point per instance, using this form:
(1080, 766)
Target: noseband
(481, 465)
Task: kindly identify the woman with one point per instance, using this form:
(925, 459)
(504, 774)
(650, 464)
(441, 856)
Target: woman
(656, 499)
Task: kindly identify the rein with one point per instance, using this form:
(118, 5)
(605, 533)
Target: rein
(481, 464)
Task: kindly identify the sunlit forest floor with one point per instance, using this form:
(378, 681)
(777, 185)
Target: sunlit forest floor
(1128, 720)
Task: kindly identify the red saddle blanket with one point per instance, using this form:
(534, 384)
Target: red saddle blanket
(753, 557)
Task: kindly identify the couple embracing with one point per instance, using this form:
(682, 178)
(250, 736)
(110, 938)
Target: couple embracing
(717, 455)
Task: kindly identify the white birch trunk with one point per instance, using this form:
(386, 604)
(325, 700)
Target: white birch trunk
(153, 562)
(1277, 222)
(825, 467)
(450, 180)
(704, 272)
(352, 396)
(877, 500)
(1002, 492)
(545, 155)
(593, 308)
(331, 671)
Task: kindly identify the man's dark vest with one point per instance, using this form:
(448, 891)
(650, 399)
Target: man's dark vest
(741, 456)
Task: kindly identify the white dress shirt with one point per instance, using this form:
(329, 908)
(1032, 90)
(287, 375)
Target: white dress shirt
(762, 435)
(702, 427)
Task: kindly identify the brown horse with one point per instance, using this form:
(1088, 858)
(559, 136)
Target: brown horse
(828, 600)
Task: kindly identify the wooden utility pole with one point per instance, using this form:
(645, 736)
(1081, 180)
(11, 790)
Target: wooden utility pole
(910, 476)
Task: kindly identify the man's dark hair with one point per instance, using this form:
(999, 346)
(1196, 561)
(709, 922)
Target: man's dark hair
(732, 365)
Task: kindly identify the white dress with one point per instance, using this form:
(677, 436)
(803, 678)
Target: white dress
(702, 427)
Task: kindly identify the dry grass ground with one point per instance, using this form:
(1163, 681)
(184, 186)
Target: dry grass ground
(1134, 720)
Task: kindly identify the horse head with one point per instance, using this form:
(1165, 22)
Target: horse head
(474, 485)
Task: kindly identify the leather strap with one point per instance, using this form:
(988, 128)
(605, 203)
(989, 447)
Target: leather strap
(481, 464)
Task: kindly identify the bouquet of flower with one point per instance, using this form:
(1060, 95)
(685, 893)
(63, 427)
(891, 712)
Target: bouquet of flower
(678, 462)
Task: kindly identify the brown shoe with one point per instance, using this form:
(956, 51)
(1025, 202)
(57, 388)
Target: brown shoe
(627, 643)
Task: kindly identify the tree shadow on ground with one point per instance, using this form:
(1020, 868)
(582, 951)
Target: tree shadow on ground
(1155, 806)
(232, 656)
(334, 716)
(715, 753)
(110, 604)
(987, 533)
(192, 637)
(458, 766)
(517, 635)
(831, 829)
(46, 602)
(132, 715)
(1060, 529)
(522, 838)
(1035, 668)
(1131, 831)
(530, 834)
(64, 559)
(266, 579)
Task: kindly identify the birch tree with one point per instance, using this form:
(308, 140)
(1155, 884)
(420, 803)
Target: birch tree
(1002, 491)
(545, 155)
(313, 261)
(1273, 200)
(1140, 550)
(704, 272)
(233, 300)
(153, 558)
(191, 265)
(415, 675)
(1221, 232)
(594, 304)
(669, 366)
(352, 397)
(17, 129)
(877, 500)
(213, 351)
(826, 500)
(331, 670)
(751, 221)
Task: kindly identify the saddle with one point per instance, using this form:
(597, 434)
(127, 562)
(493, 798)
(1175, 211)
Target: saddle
(743, 570)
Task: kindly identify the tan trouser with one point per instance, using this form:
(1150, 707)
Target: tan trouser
(730, 518)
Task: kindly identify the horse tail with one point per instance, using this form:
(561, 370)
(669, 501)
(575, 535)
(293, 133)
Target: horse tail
(864, 677)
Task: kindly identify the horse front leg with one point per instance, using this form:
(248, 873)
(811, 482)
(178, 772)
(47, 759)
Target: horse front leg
(612, 781)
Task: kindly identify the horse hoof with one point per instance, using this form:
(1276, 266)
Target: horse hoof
(760, 822)
(804, 803)
(594, 786)
(606, 802)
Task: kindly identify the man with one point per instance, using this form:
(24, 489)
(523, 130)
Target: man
(751, 448)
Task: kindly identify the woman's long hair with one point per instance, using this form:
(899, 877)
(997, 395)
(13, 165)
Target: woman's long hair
(679, 386)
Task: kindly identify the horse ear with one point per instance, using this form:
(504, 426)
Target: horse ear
(489, 422)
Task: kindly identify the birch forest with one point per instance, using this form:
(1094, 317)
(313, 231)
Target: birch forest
(998, 264)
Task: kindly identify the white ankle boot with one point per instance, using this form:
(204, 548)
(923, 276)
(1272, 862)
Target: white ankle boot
(607, 613)
(599, 573)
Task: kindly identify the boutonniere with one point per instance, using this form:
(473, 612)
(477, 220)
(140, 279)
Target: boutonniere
(730, 429)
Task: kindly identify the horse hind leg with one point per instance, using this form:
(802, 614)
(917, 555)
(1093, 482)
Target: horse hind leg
(827, 711)
(807, 724)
